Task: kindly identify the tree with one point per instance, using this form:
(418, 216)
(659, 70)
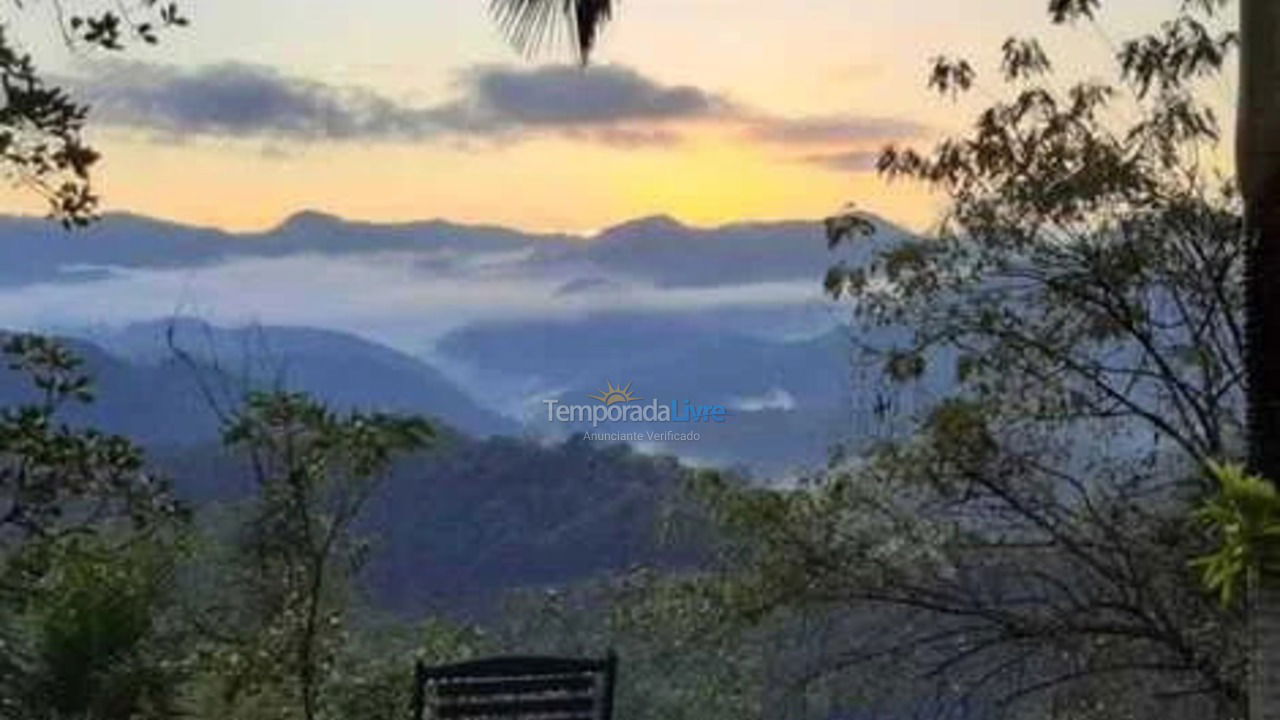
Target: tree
(279, 638)
(41, 148)
(1079, 315)
(1258, 165)
(86, 534)
(371, 675)
(60, 482)
(103, 640)
(74, 499)
(530, 24)
(682, 658)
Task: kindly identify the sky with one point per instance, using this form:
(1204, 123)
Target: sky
(710, 111)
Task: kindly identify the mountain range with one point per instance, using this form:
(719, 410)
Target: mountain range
(476, 325)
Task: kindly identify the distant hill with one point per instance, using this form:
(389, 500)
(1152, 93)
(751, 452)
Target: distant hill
(35, 250)
(790, 402)
(453, 528)
(343, 369)
(456, 527)
(674, 255)
(145, 392)
(658, 248)
(481, 517)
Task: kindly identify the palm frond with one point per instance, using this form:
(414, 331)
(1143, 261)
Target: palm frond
(531, 25)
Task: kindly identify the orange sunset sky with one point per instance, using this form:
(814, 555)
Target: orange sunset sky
(707, 110)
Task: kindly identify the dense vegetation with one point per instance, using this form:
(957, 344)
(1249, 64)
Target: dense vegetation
(122, 602)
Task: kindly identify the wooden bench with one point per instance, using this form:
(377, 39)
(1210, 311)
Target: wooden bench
(550, 688)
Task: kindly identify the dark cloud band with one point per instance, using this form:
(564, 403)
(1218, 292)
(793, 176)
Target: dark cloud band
(235, 99)
(833, 129)
(607, 104)
(560, 96)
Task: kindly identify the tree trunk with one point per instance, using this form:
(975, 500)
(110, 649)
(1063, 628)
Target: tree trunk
(1258, 166)
(1264, 633)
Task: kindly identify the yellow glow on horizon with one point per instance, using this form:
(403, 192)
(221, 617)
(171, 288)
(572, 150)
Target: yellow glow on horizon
(550, 184)
(716, 181)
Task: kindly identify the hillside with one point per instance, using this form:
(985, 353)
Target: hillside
(455, 528)
(146, 392)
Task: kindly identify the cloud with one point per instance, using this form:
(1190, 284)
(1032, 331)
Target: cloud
(828, 133)
(775, 399)
(569, 96)
(833, 129)
(609, 104)
(847, 161)
(235, 99)
(606, 104)
(401, 298)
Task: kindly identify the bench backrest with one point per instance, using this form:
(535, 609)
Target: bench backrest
(553, 688)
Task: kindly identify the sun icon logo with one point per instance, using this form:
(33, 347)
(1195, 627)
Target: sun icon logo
(614, 395)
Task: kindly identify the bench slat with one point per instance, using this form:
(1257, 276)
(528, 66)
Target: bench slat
(465, 687)
(516, 708)
(515, 666)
